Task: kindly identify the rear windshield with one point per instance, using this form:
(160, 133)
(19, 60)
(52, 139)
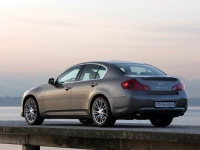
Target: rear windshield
(138, 69)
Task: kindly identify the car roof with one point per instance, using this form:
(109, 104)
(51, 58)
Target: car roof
(113, 62)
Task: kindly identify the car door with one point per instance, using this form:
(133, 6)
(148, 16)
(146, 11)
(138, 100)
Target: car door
(84, 88)
(57, 98)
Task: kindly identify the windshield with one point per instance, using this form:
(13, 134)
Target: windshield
(138, 69)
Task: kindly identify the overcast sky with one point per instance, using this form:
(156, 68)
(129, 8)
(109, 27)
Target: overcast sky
(45, 37)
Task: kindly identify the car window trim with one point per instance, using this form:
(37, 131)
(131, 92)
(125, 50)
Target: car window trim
(79, 74)
(83, 64)
(97, 72)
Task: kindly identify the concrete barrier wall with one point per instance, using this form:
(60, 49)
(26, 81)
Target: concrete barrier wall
(98, 139)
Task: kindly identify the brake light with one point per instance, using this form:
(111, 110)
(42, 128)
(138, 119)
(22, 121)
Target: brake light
(179, 87)
(134, 85)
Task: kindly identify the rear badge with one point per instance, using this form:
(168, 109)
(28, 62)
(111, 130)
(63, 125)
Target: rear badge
(161, 83)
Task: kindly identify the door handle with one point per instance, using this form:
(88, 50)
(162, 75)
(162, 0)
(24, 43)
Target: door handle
(93, 84)
(68, 88)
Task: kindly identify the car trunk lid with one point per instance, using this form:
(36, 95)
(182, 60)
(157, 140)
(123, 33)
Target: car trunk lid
(160, 85)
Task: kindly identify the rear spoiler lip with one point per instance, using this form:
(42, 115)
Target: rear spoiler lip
(146, 76)
(153, 77)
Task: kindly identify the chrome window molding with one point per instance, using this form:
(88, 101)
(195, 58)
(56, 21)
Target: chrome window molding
(81, 72)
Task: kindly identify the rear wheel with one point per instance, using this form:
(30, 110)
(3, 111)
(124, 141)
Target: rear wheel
(101, 113)
(31, 112)
(161, 122)
(86, 121)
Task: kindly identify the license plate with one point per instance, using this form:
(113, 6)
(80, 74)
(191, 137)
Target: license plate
(164, 104)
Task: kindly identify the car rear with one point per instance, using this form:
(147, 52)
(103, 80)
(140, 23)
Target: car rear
(151, 92)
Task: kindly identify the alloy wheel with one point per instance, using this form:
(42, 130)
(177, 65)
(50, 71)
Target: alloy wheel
(30, 111)
(100, 111)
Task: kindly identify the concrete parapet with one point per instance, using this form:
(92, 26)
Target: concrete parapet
(97, 138)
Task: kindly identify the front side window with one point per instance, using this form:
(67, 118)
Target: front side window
(70, 75)
(138, 69)
(89, 72)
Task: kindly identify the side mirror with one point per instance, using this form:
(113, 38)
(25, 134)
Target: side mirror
(51, 81)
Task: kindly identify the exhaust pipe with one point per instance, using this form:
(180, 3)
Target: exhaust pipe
(181, 114)
(141, 114)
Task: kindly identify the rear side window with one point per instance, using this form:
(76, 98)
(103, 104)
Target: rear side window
(89, 72)
(138, 69)
(101, 73)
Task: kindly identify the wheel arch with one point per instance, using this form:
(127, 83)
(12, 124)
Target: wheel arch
(93, 99)
(25, 99)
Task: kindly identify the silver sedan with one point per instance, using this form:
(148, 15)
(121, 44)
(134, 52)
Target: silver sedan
(103, 91)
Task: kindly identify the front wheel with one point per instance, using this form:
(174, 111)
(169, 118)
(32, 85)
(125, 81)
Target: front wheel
(161, 122)
(31, 112)
(101, 113)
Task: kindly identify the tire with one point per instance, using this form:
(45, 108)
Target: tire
(86, 121)
(101, 113)
(161, 122)
(31, 112)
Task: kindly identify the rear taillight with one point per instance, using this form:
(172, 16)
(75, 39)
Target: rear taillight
(179, 87)
(134, 85)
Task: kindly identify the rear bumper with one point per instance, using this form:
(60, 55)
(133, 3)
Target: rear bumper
(139, 101)
(159, 112)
